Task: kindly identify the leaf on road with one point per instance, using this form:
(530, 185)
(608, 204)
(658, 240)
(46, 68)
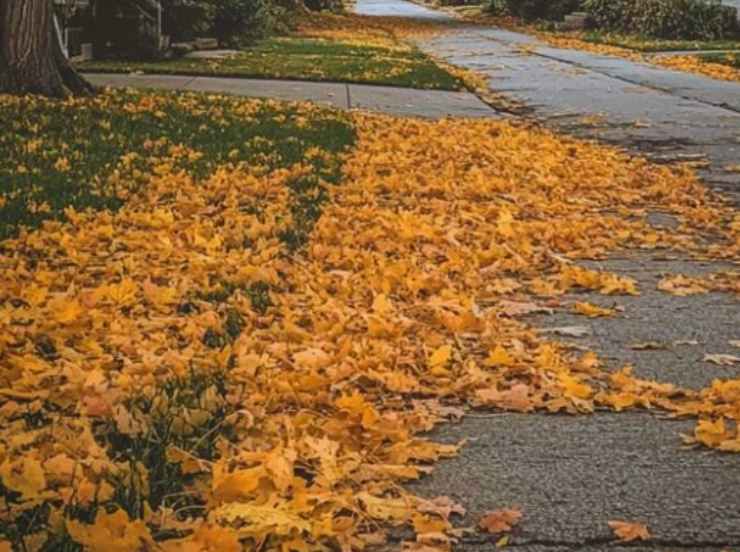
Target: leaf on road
(627, 531)
(443, 506)
(500, 521)
(682, 285)
(592, 311)
(649, 346)
(722, 360)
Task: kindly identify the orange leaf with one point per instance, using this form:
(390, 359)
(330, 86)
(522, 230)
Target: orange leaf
(500, 521)
(627, 531)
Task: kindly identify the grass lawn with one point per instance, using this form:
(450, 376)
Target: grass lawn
(643, 44)
(311, 59)
(120, 140)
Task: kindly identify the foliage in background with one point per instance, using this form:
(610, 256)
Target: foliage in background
(531, 10)
(238, 20)
(670, 19)
(322, 5)
(647, 44)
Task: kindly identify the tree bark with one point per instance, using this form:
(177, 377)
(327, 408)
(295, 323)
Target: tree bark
(31, 57)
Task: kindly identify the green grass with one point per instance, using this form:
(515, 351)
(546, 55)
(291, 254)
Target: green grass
(93, 153)
(305, 59)
(644, 44)
(732, 60)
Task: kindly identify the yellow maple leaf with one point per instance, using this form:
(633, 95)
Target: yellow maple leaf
(499, 357)
(206, 538)
(387, 509)
(24, 475)
(381, 304)
(711, 433)
(65, 310)
(111, 533)
(439, 359)
(682, 285)
(592, 311)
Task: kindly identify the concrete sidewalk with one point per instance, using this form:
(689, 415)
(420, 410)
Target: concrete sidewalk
(653, 111)
(571, 475)
(385, 99)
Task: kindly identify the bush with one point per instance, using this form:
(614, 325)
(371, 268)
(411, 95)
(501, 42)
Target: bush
(234, 20)
(459, 2)
(185, 21)
(321, 5)
(531, 10)
(230, 21)
(668, 19)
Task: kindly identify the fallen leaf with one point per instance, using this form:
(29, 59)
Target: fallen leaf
(682, 286)
(440, 357)
(443, 506)
(592, 311)
(499, 521)
(627, 531)
(23, 475)
(499, 357)
(722, 360)
(649, 346)
(522, 308)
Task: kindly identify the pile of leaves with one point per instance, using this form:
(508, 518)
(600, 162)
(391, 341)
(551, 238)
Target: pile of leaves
(386, 31)
(249, 356)
(708, 66)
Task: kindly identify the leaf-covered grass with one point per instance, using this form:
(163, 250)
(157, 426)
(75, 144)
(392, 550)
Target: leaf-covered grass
(172, 379)
(729, 59)
(92, 154)
(645, 44)
(309, 59)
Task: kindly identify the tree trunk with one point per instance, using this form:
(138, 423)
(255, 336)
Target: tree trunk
(31, 57)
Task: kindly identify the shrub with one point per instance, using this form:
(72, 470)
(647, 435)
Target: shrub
(230, 21)
(459, 2)
(668, 19)
(531, 10)
(234, 20)
(321, 5)
(185, 21)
